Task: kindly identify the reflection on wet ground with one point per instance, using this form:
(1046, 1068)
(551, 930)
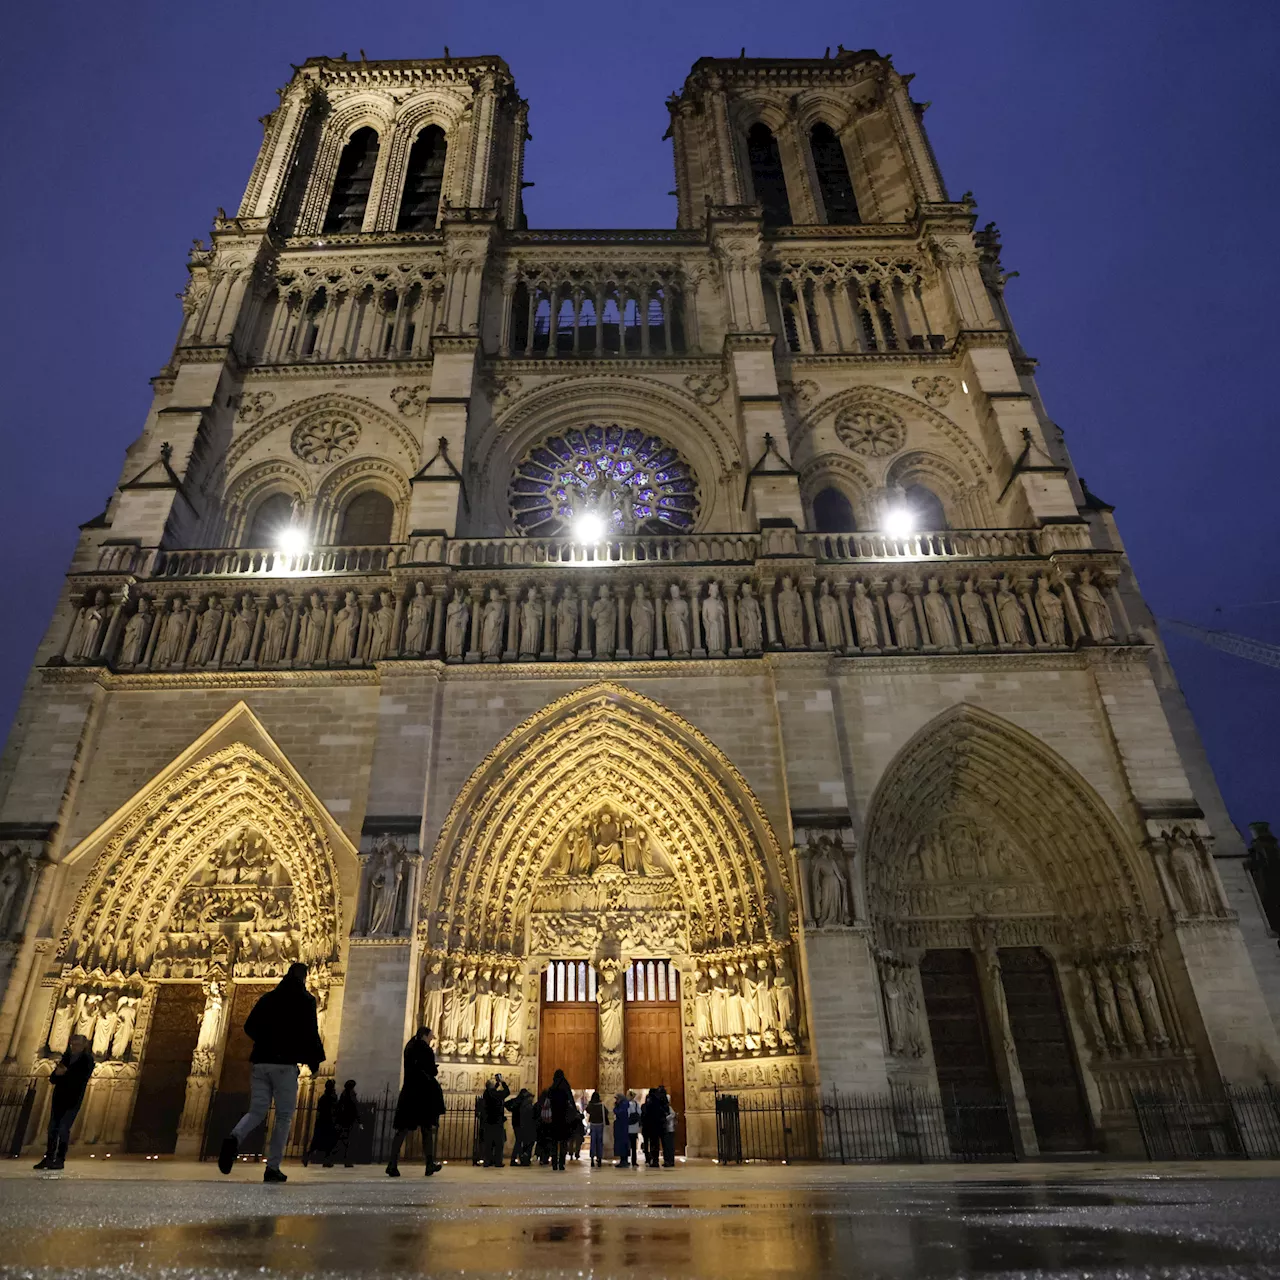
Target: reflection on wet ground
(707, 1223)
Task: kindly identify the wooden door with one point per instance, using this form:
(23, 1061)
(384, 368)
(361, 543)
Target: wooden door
(654, 1049)
(166, 1063)
(231, 1100)
(958, 1026)
(569, 1026)
(1045, 1055)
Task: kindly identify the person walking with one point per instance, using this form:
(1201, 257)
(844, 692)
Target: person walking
(524, 1128)
(494, 1119)
(669, 1132)
(633, 1126)
(597, 1118)
(577, 1132)
(284, 1031)
(621, 1129)
(421, 1102)
(346, 1119)
(324, 1137)
(542, 1114)
(563, 1110)
(70, 1079)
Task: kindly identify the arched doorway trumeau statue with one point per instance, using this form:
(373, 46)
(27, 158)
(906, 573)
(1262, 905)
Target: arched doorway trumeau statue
(607, 829)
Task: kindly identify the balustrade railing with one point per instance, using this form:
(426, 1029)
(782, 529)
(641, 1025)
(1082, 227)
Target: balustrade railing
(262, 562)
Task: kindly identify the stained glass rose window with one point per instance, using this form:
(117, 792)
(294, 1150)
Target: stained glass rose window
(635, 483)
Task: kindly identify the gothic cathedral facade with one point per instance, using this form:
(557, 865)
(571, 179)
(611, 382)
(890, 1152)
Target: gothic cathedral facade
(683, 656)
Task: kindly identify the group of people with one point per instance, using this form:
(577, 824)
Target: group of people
(283, 1026)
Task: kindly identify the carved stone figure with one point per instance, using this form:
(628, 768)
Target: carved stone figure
(417, 620)
(493, 625)
(1097, 615)
(311, 631)
(1144, 988)
(433, 998)
(567, 622)
(12, 876)
(830, 888)
(719, 1005)
(864, 618)
(1107, 1005)
(275, 632)
(607, 839)
(677, 618)
(604, 621)
(384, 889)
(1013, 618)
(457, 618)
(482, 1029)
(1049, 607)
(64, 1018)
(641, 624)
(784, 996)
(89, 628)
(346, 630)
(829, 618)
(1184, 863)
(938, 615)
(749, 620)
(581, 850)
(87, 1013)
(501, 1015)
(1089, 1003)
(609, 998)
(208, 628)
(531, 625)
(975, 615)
(900, 1009)
(902, 615)
(126, 1016)
(790, 615)
(381, 622)
(1130, 1015)
(748, 989)
(466, 1001)
(211, 1020)
(173, 636)
(136, 633)
(713, 621)
(105, 1027)
(702, 1008)
(240, 635)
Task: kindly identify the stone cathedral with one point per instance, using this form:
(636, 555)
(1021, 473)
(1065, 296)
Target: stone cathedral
(680, 656)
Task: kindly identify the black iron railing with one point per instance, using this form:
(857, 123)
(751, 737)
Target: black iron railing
(1241, 1123)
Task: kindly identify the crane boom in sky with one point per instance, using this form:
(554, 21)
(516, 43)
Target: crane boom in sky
(1259, 651)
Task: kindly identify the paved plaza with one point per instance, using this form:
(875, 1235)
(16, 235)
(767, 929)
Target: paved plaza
(144, 1218)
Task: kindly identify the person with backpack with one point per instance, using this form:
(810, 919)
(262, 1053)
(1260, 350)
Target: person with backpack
(493, 1117)
(597, 1118)
(420, 1104)
(285, 1032)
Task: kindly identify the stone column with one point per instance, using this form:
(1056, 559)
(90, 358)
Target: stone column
(962, 632)
(584, 623)
(204, 1068)
(477, 611)
(878, 592)
(437, 619)
(770, 615)
(513, 624)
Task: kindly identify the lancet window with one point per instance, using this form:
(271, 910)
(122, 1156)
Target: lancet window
(423, 182)
(352, 183)
(925, 506)
(833, 512)
(562, 319)
(367, 520)
(652, 980)
(269, 521)
(766, 175)
(834, 183)
(568, 981)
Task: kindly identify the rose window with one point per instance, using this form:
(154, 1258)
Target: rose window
(635, 483)
(870, 432)
(325, 439)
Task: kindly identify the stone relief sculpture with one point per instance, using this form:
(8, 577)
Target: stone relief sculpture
(275, 634)
(677, 619)
(901, 1007)
(641, 624)
(417, 620)
(829, 626)
(975, 616)
(433, 997)
(208, 629)
(828, 885)
(938, 615)
(171, 646)
(604, 621)
(1187, 873)
(1013, 618)
(609, 842)
(493, 626)
(713, 621)
(749, 620)
(903, 616)
(64, 1019)
(567, 623)
(1145, 989)
(1097, 614)
(346, 630)
(1049, 608)
(457, 618)
(864, 618)
(311, 631)
(790, 615)
(240, 636)
(126, 1016)
(137, 632)
(89, 627)
(531, 625)
(609, 998)
(385, 879)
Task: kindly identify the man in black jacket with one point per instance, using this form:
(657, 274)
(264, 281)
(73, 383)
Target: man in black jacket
(284, 1031)
(70, 1079)
(421, 1102)
(493, 1118)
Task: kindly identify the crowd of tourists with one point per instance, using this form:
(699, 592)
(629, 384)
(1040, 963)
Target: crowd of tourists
(549, 1129)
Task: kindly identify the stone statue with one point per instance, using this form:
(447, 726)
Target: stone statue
(975, 615)
(1128, 1004)
(531, 625)
(581, 852)
(641, 624)
(89, 628)
(11, 881)
(567, 622)
(902, 614)
(173, 635)
(275, 632)
(864, 618)
(1107, 1005)
(417, 620)
(719, 1005)
(1144, 988)
(938, 615)
(784, 996)
(493, 626)
(635, 848)
(899, 1010)
(450, 1002)
(1184, 863)
(1049, 607)
(1097, 616)
(702, 1009)
(607, 839)
(87, 1014)
(64, 1017)
(466, 1002)
(501, 1014)
(208, 628)
(105, 1027)
(829, 617)
(240, 636)
(433, 998)
(311, 631)
(604, 619)
(126, 1016)
(482, 1029)
(457, 617)
(749, 620)
(380, 624)
(609, 998)
(750, 994)
(830, 889)
(1013, 619)
(136, 632)
(211, 1021)
(713, 622)
(677, 616)
(1089, 1003)
(384, 890)
(346, 630)
(515, 1023)
(735, 1004)
(790, 615)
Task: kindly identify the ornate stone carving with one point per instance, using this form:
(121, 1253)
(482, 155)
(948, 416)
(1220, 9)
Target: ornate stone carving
(935, 391)
(411, 401)
(1097, 614)
(870, 433)
(706, 388)
(899, 988)
(749, 628)
(790, 615)
(828, 883)
(322, 440)
(417, 620)
(253, 404)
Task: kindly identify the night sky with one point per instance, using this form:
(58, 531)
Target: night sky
(1127, 151)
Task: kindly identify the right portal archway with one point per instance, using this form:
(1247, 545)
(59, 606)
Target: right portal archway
(1002, 890)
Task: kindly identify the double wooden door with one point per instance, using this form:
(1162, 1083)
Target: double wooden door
(654, 1051)
(166, 1063)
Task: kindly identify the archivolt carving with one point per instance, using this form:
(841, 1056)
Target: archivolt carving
(553, 771)
(231, 826)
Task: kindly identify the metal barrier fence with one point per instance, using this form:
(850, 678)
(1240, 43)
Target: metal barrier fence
(1243, 1123)
(17, 1100)
(903, 1125)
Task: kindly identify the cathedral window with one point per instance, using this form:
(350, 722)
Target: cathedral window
(636, 483)
(832, 512)
(833, 176)
(270, 520)
(423, 182)
(766, 175)
(352, 183)
(925, 507)
(366, 520)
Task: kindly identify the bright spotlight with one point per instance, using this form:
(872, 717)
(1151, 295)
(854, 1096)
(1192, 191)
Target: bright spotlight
(588, 528)
(291, 541)
(899, 522)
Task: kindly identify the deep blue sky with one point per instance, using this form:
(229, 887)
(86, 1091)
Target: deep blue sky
(1126, 149)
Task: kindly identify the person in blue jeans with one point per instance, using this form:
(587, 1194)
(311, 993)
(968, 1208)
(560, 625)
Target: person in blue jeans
(284, 1031)
(597, 1118)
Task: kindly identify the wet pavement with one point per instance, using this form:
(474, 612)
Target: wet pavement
(135, 1218)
